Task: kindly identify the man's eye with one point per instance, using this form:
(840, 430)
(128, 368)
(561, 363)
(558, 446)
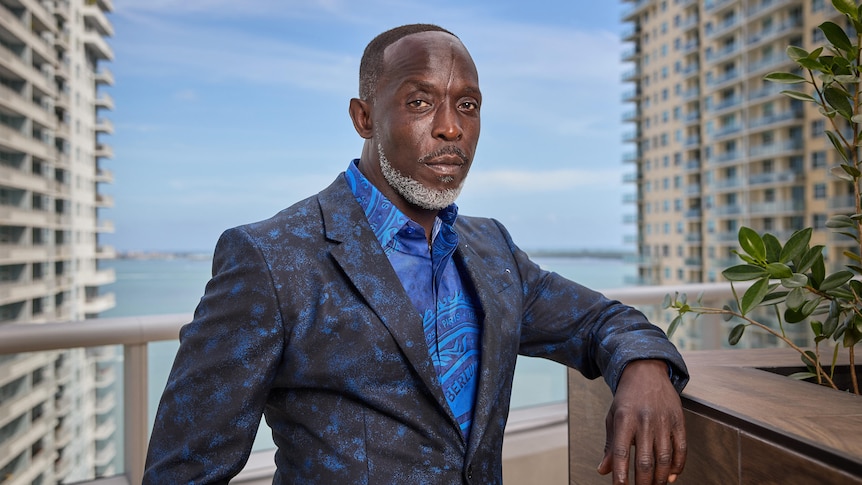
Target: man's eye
(469, 105)
(418, 103)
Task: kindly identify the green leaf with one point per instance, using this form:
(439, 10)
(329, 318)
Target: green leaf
(667, 301)
(851, 170)
(728, 313)
(794, 316)
(829, 326)
(773, 247)
(798, 95)
(674, 324)
(779, 270)
(751, 242)
(836, 142)
(796, 53)
(754, 295)
(809, 358)
(852, 255)
(818, 272)
(774, 297)
(795, 281)
(796, 298)
(744, 272)
(856, 287)
(847, 79)
(839, 100)
(809, 258)
(816, 327)
(736, 334)
(840, 173)
(784, 78)
(847, 7)
(796, 245)
(836, 35)
(801, 376)
(835, 280)
(812, 64)
(840, 221)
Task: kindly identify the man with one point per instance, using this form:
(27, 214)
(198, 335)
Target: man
(377, 331)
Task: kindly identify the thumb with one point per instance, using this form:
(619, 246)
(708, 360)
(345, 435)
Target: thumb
(606, 466)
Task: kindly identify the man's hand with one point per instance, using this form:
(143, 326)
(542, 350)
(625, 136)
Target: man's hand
(646, 413)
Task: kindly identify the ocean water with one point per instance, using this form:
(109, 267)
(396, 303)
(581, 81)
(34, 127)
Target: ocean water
(163, 286)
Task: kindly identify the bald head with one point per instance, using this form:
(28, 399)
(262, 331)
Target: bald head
(371, 66)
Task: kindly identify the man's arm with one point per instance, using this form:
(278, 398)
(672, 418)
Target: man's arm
(647, 413)
(211, 407)
(581, 328)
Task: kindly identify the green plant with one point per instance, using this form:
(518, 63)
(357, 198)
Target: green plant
(790, 279)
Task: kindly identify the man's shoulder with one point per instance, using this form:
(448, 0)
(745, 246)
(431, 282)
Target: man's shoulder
(299, 218)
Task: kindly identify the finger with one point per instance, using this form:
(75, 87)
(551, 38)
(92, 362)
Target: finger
(663, 458)
(605, 466)
(644, 458)
(680, 448)
(624, 435)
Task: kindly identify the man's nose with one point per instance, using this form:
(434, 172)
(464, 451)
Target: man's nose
(447, 124)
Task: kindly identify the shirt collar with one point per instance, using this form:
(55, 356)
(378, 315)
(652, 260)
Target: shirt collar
(386, 219)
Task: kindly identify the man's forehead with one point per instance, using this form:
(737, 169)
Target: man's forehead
(425, 41)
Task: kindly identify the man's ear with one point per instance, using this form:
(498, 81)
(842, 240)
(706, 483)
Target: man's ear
(360, 113)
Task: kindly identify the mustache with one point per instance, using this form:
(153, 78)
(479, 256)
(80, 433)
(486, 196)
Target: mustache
(447, 150)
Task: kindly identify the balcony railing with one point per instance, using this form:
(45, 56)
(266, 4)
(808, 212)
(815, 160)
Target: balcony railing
(136, 333)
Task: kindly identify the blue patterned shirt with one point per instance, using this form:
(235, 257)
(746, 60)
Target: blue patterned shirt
(436, 289)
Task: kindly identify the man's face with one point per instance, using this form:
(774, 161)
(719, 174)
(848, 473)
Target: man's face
(426, 118)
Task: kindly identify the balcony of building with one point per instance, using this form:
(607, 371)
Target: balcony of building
(718, 55)
(104, 150)
(104, 201)
(776, 178)
(767, 150)
(104, 101)
(714, 6)
(533, 435)
(537, 445)
(104, 125)
(778, 207)
(792, 25)
(95, 19)
(98, 46)
(104, 76)
(635, 8)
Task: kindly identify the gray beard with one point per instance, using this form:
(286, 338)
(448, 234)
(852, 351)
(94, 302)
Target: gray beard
(413, 191)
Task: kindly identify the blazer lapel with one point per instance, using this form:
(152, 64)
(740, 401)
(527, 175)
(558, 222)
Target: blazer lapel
(498, 353)
(363, 261)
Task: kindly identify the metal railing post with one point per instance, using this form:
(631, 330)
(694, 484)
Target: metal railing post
(135, 410)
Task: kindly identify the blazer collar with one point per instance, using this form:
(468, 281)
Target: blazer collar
(362, 259)
(360, 256)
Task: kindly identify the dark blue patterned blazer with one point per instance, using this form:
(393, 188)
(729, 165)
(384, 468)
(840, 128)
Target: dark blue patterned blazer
(306, 322)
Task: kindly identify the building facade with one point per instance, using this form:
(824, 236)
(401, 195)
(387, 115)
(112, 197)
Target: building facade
(57, 409)
(715, 146)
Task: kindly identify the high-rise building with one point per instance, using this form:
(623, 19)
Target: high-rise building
(56, 409)
(716, 147)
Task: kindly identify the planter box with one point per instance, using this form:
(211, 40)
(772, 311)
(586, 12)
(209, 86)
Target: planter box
(745, 425)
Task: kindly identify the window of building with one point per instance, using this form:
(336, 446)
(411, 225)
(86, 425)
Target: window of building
(818, 221)
(819, 191)
(817, 36)
(817, 128)
(769, 195)
(817, 5)
(818, 159)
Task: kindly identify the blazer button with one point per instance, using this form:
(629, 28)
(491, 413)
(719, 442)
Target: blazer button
(470, 472)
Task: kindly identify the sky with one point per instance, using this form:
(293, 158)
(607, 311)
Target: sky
(227, 112)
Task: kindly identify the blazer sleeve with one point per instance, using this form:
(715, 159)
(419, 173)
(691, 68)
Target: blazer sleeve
(581, 328)
(211, 407)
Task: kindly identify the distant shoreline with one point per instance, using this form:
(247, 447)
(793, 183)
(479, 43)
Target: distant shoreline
(537, 253)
